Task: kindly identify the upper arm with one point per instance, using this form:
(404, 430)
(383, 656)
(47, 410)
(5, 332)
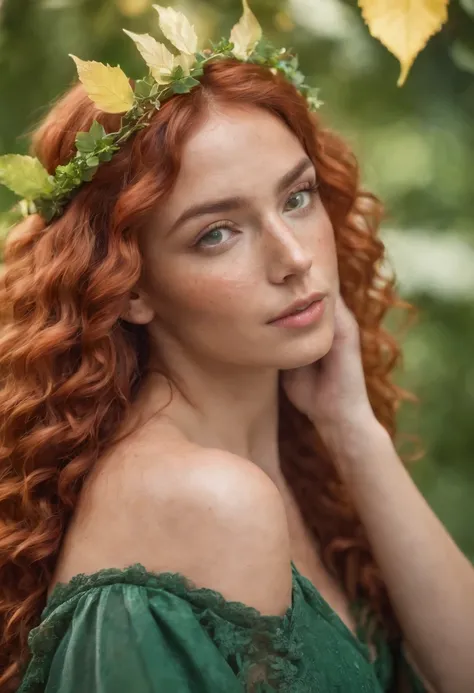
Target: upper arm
(411, 661)
(212, 516)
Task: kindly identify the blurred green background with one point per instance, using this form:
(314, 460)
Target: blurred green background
(415, 145)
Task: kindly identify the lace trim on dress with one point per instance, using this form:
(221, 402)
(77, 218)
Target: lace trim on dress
(262, 650)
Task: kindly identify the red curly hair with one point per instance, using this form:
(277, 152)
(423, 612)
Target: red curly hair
(70, 367)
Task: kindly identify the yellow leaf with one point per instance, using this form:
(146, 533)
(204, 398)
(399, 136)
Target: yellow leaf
(108, 87)
(404, 27)
(158, 58)
(177, 29)
(246, 33)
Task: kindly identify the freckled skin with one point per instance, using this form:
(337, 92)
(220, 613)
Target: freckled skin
(206, 308)
(213, 304)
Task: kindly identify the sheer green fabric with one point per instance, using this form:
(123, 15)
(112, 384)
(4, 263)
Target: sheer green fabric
(132, 631)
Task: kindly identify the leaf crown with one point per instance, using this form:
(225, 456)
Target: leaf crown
(109, 88)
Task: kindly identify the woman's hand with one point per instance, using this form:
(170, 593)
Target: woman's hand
(331, 392)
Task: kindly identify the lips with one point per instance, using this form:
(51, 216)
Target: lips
(298, 306)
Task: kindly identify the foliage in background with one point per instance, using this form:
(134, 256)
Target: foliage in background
(415, 147)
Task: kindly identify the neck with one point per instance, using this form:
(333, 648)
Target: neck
(235, 410)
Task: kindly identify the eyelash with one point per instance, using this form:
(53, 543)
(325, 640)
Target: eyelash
(312, 188)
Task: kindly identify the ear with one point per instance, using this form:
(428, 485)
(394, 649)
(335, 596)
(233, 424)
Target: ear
(139, 310)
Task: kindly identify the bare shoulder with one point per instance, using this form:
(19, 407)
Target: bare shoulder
(208, 514)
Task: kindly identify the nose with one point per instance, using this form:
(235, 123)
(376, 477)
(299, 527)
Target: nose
(284, 252)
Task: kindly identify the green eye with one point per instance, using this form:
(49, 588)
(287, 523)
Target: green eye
(297, 200)
(298, 196)
(212, 235)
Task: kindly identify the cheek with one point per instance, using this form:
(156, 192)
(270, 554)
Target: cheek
(325, 254)
(204, 296)
(213, 296)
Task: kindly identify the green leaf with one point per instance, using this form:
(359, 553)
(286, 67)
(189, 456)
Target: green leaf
(92, 161)
(109, 142)
(85, 143)
(197, 71)
(88, 175)
(25, 176)
(143, 88)
(180, 87)
(222, 46)
(48, 208)
(178, 73)
(97, 131)
(105, 155)
(47, 213)
(190, 82)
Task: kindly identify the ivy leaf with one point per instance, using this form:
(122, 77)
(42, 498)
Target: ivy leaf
(190, 82)
(404, 28)
(158, 58)
(25, 176)
(84, 142)
(246, 33)
(108, 141)
(182, 86)
(97, 131)
(108, 87)
(178, 72)
(197, 71)
(177, 29)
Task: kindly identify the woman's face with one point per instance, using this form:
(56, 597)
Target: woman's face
(239, 239)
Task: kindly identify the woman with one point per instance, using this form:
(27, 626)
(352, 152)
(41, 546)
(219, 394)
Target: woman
(194, 496)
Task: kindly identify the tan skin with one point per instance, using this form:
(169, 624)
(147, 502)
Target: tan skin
(199, 488)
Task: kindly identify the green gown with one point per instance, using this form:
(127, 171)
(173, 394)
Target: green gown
(134, 631)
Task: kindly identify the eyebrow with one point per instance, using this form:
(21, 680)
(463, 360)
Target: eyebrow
(230, 203)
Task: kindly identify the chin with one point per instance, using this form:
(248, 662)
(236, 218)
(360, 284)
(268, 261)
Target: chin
(310, 348)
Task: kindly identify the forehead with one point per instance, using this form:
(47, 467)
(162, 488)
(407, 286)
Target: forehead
(234, 148)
